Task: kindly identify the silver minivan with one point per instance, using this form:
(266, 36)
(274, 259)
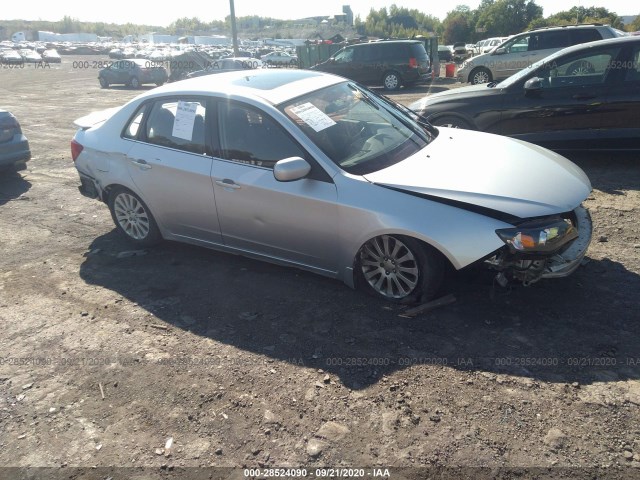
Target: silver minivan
(524, 49)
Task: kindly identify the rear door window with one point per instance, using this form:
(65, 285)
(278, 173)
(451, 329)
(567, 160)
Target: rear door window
(177, 123)
(557, 39)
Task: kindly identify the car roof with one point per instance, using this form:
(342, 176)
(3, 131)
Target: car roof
(382, 42)
(272, 86)
(571, 27)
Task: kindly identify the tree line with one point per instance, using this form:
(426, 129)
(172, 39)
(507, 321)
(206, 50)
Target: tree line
(492, 18)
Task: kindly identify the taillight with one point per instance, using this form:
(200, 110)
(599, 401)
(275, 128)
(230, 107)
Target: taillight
(76, 149)
(413, 62)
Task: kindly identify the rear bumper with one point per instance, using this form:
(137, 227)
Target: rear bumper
(88, 186)
(567, 261)
(14, 152)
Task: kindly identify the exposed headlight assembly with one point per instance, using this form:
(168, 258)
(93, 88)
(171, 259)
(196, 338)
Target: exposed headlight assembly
(539, 236)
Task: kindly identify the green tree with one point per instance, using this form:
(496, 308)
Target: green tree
(458, 25)
(506, 17)
(580, 15)
(634, 26)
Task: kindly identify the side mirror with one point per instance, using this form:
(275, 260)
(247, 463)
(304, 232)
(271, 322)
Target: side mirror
(291, 169)
(533, 85)
(499, 51)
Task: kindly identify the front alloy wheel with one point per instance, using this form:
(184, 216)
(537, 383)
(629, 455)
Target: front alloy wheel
(480, 75)
(400, 269)
(133, 218)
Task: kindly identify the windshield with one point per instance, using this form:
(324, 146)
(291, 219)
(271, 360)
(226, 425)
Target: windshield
(359, 131)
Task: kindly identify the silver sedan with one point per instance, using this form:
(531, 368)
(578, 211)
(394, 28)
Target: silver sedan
(310, 170)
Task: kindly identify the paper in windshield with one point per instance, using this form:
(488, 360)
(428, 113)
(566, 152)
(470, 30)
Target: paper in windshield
(313, 116)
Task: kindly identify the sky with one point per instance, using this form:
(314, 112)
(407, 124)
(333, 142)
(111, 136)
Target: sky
(123, 11)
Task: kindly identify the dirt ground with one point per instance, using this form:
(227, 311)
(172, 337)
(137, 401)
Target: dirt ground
(185, 357)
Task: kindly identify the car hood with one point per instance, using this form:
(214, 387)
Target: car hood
(473, 169)
(461, 94)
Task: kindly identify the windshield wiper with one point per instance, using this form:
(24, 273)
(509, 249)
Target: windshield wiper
(492, 84)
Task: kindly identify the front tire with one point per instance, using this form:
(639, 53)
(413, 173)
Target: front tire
(399, 269)
(103, 82)
(391, 81)
(134, 82)
(133, 218)
(480, 75)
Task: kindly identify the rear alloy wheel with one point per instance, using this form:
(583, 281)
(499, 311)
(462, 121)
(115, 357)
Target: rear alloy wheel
(451, 122)
(391, 81)
(480, 75)
(399, 269)
(133, 218)
(103, 82)
(134, 82)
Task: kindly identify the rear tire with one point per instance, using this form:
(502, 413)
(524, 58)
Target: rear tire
(134, 82)
(103, 82)
(133, 218)
(391, 81)
(399, 269)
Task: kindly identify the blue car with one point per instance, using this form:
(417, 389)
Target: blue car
(14, 146)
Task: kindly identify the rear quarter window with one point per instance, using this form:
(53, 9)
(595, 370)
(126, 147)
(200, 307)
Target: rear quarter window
(584, 35)
(417, 50)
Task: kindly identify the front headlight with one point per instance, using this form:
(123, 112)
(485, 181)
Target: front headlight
(539, 236)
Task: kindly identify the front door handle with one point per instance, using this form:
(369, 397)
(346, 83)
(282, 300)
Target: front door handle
(228, 183)
(141, 163)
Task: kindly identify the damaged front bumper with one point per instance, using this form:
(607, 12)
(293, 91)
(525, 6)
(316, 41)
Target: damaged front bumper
(529, 269)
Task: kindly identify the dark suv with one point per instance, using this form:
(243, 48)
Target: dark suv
(390, 63)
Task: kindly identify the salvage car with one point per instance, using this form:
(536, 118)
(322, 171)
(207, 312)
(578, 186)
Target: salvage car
(585, 97)
(14, 146)
(307, 169)
(133, 73)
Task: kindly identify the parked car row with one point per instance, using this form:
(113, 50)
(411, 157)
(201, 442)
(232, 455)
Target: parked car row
(25, 55)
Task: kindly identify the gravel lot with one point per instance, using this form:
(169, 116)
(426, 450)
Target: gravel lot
(105, 356)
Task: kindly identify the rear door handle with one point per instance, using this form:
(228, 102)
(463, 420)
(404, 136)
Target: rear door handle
(228, 183)
(141, 163)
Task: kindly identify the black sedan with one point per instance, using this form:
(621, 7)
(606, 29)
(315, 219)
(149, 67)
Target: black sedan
(585, 97)
(133, 73)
